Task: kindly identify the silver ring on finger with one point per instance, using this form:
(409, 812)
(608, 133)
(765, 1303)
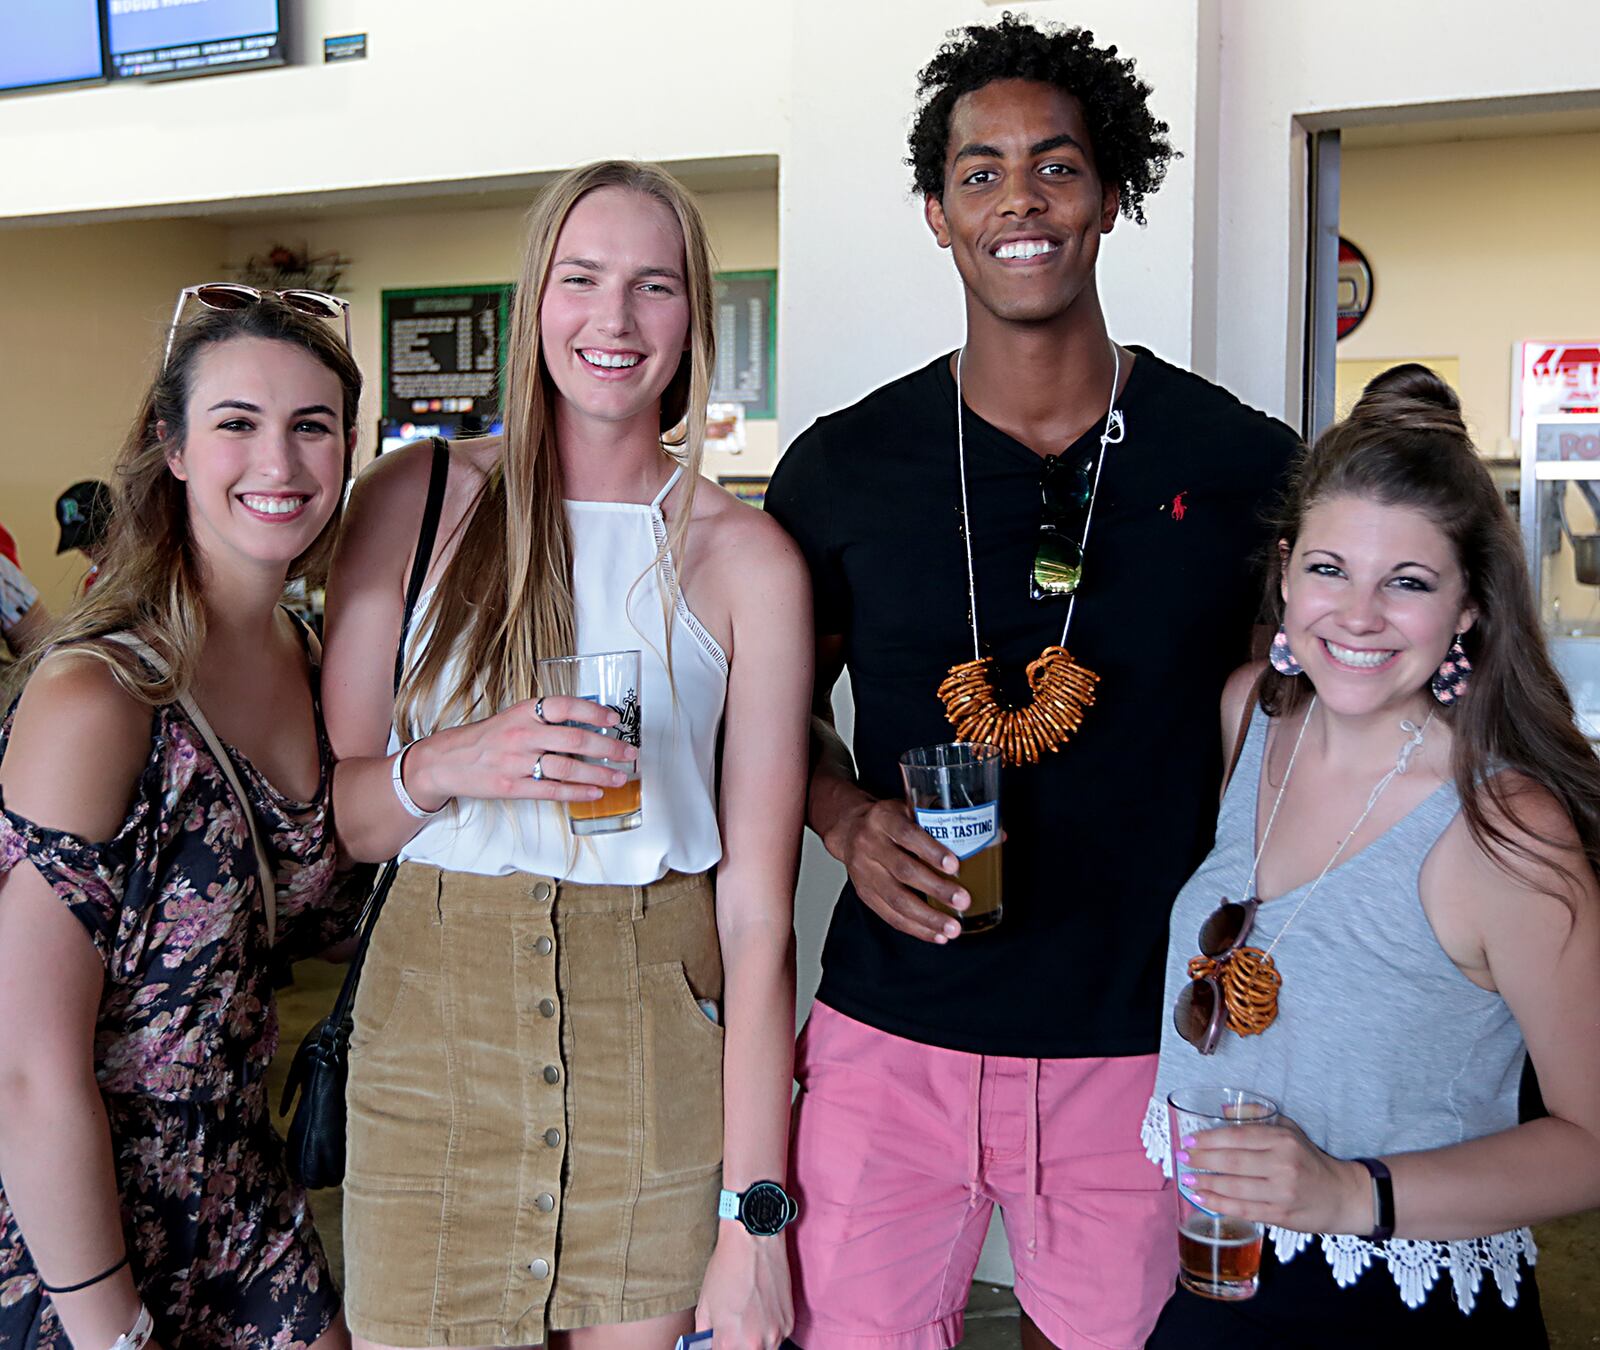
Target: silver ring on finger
(538, 709)
(538, 767)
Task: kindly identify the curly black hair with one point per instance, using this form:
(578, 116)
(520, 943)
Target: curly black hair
(1130, 145)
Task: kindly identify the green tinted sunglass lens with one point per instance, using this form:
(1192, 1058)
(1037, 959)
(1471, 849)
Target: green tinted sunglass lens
(1057, 566)
(1066, 488)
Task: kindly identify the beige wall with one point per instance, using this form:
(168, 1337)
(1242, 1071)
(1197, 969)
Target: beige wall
(83, 312)
(1475, 245)
(398, 249)
(1284, 66)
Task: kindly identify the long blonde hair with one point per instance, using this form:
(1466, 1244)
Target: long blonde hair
(505, 600)
(152, 583)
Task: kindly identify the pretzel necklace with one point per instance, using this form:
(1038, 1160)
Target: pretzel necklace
(1247, 976)
(1061, 689)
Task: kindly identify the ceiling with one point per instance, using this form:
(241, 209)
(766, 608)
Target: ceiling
(1420, 130)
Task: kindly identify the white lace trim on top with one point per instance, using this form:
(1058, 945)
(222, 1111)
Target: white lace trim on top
(1415, 1263)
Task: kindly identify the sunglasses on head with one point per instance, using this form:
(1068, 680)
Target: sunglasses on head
(232, 295)
(1067, 490)
(1200, 1012)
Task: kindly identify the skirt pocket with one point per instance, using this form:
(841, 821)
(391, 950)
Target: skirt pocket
(398, 1097)
(393, 1236)
(682, 1075)
(404, 952)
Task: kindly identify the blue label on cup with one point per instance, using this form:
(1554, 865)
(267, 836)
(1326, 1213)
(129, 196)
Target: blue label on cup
(964, 831)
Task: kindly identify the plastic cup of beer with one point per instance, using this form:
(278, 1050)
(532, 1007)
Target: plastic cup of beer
(954, 792)
(1218, 1257)
(611, 679)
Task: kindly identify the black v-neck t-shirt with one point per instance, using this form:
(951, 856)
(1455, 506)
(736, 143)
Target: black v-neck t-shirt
(1104, 832)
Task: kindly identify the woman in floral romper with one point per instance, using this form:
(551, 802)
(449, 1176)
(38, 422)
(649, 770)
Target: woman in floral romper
(138, 1166)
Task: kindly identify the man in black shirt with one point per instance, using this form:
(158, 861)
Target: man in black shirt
(943, 1073)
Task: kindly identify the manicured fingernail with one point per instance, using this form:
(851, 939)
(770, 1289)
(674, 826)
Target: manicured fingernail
(950, 864)
(1187, 1141)
(1188, 1180)
(1183, 1156)
(960, 900)
(940, 939)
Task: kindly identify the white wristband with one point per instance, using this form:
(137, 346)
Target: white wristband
(412, 809)
(143, 1328)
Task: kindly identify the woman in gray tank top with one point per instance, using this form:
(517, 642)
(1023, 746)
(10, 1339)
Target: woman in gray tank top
(1420, 817)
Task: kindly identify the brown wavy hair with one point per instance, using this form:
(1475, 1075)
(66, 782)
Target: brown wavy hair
(505, 599)
(1405, 444)
(151, 582)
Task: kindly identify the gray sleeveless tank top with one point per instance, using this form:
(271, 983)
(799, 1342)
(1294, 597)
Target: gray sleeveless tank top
(1381, 1044)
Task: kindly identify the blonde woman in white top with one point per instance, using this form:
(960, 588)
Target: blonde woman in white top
(551, 1079)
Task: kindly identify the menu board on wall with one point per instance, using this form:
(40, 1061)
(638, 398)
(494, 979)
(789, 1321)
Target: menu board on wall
(747, 328)
(443, 350)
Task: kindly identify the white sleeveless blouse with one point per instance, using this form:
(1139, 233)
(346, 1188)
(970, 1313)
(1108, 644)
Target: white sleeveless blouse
(619, 588)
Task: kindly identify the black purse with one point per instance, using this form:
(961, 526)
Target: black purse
(321, 1066)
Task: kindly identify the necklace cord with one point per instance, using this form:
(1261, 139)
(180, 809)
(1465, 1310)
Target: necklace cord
(1112, 433)
(1266, 834)
(966, 527)
(1402, 763)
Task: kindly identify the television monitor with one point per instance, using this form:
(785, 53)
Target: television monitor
(46, 42)
(393, 434)
(155, 39)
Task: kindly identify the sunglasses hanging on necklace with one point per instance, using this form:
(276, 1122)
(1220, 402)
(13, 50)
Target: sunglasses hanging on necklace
(1062, 690)
(1235, 986)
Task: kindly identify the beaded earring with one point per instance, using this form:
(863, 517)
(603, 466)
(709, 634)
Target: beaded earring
(1282, 658)
(1450, 681)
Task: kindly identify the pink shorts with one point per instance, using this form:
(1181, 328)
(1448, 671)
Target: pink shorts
(902, 1150)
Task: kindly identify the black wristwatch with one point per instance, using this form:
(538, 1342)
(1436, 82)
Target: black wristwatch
(765, 1210)
(1382, 1200)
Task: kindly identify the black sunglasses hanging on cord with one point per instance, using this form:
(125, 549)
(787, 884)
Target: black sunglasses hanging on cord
(1066, 490)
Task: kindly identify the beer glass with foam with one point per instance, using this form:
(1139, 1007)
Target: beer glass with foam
(611, 679)
(1218, 1257)
(954, 792)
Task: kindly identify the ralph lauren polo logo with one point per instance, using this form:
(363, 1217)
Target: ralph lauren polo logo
(1179, 506)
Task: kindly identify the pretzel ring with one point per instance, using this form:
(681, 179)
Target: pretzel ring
(1249, 982)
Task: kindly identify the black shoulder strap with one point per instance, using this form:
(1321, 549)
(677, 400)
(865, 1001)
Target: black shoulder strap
(438, 473)
(340, 1018)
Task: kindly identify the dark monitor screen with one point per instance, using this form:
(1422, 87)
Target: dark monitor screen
(191, 37)
(46, 42)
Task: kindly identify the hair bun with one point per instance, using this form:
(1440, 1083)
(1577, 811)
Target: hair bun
(1410, 397)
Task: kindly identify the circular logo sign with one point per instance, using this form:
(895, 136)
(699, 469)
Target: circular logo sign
(1354, 294)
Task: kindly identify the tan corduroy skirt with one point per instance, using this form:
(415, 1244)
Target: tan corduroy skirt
(535, 1108)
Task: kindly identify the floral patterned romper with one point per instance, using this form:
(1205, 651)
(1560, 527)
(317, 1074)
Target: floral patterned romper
(220, 1239)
